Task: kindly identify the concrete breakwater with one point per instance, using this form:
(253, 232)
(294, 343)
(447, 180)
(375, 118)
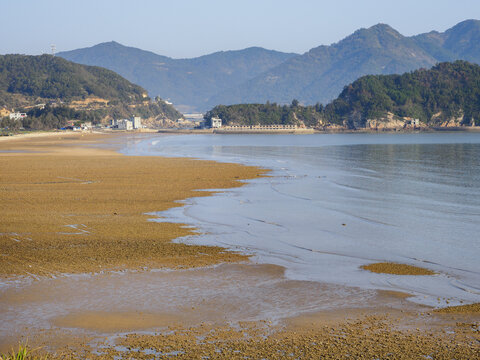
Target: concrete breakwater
(263, 129)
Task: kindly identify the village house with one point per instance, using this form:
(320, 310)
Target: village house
(124, 124)
(137, 122)
(127, 124)
(216, 122)
(17, 116)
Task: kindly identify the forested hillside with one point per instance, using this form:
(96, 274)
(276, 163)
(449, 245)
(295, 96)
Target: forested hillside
(448, 91)
(267, 114)
(51, 77)
(446, 95)
(69, 91)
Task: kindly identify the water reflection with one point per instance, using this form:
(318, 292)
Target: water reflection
(339, 201)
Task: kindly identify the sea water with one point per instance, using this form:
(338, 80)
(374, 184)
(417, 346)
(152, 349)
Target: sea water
(335, 202)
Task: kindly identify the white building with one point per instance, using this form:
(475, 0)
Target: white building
(17, 116)
(125, 124)
(216, 122)
(137, 122)
(87, 125)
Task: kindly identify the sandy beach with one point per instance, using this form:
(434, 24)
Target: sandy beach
(69, 206)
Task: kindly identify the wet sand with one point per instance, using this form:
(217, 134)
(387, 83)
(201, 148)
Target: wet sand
(68, 208)
(230, 311)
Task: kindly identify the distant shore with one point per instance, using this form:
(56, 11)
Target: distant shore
(307, 131)
(300, 131)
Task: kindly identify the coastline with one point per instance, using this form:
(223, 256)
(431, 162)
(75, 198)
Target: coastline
(297, 332)
(309, 131)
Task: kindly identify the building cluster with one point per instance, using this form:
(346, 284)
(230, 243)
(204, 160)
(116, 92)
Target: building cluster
(17, 116)
(127, 124)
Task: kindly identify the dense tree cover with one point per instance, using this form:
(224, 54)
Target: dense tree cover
(266, 114)
(53, 117)
(446, 91)
(52, 77)
(9, 124)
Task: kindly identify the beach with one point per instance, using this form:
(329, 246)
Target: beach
(75, 227)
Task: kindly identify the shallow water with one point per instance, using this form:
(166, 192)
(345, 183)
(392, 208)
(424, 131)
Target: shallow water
(338, 201)
(129, 301)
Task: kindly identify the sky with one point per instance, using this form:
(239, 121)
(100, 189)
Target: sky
(190, 28)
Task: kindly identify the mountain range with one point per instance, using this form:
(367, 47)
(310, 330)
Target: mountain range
(188, 83)
(257, 75)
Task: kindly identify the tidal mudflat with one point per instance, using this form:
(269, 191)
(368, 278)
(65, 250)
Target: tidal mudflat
(86, 272)
(70, 209)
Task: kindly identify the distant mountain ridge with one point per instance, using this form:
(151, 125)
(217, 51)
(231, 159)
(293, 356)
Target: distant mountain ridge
(460, 42)
(256, 75)
(187, 82)
(320, 74)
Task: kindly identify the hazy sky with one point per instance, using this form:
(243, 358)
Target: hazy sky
(189, 28)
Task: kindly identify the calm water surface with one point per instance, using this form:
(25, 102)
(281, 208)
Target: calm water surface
(338, 201)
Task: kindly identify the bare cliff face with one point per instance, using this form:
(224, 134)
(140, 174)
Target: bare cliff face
(453, 121)
(393, 122)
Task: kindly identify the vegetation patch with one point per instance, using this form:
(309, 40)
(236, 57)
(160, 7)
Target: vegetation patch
(396, 269)
(460, 309)
(23, 353)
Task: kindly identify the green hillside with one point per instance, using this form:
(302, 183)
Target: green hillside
(51, 77)
(71, 92)
(447, 93)
(267, 114)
